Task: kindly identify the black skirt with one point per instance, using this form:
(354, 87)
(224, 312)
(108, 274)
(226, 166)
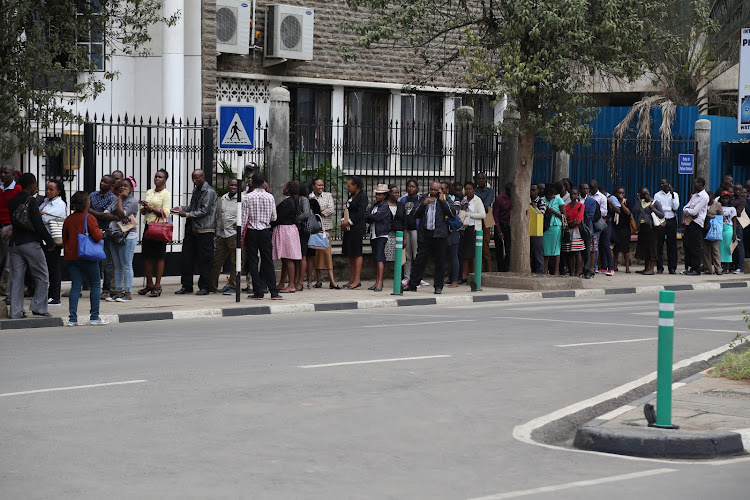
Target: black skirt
(351, 245)
(468, 243)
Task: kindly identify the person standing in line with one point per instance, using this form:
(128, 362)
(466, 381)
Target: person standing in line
(573, 248)
(621, 228)
(487, 195)
(309, 257)
(124, 207)
(536, 243)
(603, 237)
(739, 202)
(454, 237)
(25, 250)
(285, 236)
(695, 218)
(605, 244)
(305, 213)
(117, 175)
(398, 223)
(473, 209)
(670, 203)
(410, 201)
(98, 203)
(648, 231)
(379, 217)
(433, 233)
(501, 213)
(80, 221)
(354, 230)
(225, 241)
(9, 188)
(198, 243)
(323, 261)
(590, 208)
(552, 235)
(730, 216)
(258, 212)
(155, 208)
(711, 250)
(54, 208)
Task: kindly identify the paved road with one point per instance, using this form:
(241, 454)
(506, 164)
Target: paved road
(239, 407)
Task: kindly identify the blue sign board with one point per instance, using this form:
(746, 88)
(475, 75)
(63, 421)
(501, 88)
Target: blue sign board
(686, 162)
(236, 125)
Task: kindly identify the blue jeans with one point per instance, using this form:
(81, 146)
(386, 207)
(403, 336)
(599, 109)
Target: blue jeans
(605, 250)
(122, 260)
(79, 269)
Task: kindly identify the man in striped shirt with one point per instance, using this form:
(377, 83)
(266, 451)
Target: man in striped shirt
(258, 211)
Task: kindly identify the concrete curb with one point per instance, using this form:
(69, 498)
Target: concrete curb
(659, 443)
(396, 301)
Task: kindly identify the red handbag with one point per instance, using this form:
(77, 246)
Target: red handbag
(159, 231)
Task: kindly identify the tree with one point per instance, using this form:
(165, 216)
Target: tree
(541, 53)
(51, 47)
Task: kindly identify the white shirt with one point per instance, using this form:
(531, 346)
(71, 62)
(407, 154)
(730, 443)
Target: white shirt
(602, 201)
(11, 186)
(54, 209)
(670, 203)
(697, 207)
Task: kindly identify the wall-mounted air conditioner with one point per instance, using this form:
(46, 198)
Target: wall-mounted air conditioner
(233, 26)
(289, 32)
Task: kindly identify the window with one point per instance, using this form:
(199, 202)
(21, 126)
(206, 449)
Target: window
(311, 126)
(421, 141)
(91, 40)
(366, 129)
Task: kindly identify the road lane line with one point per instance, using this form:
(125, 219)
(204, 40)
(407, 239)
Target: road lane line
(608, 342)
(608, 324)
(376, 361)
(576, 484)
(90, 386)
(422, 323)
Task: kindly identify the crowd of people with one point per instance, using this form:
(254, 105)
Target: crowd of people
(585, 231)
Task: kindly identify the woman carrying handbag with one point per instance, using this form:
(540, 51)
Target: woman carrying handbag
(77, 224)
(156, 234)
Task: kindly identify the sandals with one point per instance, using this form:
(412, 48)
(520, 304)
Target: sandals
(147, 290)
(155, 292)
(350, 287)
(333, 287)
(318, 285)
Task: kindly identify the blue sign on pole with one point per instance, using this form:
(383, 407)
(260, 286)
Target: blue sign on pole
(686, 163)
(236, 127)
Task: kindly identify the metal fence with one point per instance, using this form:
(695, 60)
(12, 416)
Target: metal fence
(630, 163)
(391, 153)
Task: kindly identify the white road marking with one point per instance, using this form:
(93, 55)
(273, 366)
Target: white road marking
(72, 388)
(576, 484)
(607, 324)
(687, 310)
(422, 323)
(608, 342)
(376, 361)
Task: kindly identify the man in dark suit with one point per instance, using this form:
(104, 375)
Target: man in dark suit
(431, 236)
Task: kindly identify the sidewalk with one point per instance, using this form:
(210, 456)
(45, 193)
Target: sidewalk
(171, 306)
(713, 415)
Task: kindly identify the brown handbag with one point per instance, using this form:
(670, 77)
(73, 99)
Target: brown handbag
(159, 231)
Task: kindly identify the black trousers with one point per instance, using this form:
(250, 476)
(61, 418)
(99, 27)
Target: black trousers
(668, 233)
(428, 245)
(502, 248)
(260, 241)
(54, 267)
(197, 248)
(693, 240)
(536, 244)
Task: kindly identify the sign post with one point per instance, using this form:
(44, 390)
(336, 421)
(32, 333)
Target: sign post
(236, 126)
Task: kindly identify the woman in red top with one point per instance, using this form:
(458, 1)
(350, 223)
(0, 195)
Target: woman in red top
(73, 226)
(574, 216)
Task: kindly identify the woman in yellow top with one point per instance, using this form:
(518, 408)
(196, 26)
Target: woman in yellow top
(155, 207)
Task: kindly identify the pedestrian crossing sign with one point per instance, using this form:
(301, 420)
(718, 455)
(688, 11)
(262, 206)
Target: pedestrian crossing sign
(236, 127)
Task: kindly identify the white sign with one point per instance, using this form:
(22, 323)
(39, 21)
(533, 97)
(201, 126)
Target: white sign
(236, 127)
(743, 108)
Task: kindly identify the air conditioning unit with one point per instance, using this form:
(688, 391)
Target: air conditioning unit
(233, 26)
(289, 32)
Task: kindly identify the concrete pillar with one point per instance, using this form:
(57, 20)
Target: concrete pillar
(561, 166)
(464, 142)
(509, 153)
(703, 150)
(277, 173)
(173, 62)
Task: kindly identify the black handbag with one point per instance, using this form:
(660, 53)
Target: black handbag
(115, 236)
(566, 236)
(21, 217)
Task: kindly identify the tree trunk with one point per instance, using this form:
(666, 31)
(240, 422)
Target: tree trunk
(519, 221)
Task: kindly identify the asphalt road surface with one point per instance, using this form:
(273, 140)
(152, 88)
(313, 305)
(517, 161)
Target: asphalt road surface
(409, 402)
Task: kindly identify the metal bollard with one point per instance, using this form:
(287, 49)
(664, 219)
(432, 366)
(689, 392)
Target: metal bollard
(478, 261)
(397, 263)
(664, 362)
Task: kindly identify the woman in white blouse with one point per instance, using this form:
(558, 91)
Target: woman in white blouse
(54, 208)
(472, 212)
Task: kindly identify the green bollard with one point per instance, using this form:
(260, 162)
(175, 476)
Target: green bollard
(478, 261)
(664, 362)
(397, 263)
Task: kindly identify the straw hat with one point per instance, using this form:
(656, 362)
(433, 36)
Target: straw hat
(381, 189)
